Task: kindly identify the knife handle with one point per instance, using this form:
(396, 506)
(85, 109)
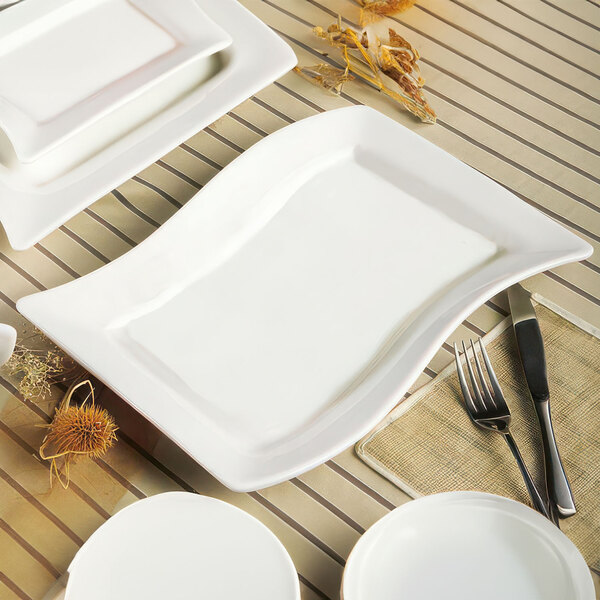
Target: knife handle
(558, 484)
(533, 358)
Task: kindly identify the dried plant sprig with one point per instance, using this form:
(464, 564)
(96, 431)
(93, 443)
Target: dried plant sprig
(373, 10)
(39, 370)
(76, 430)
(389, 65)
(326, 76)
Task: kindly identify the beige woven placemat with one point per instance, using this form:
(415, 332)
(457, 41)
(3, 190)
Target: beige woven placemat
(428, 445)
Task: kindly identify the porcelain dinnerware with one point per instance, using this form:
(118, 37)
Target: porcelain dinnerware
(282, 312)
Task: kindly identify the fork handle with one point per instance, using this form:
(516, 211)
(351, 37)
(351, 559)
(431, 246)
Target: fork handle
(537, 500)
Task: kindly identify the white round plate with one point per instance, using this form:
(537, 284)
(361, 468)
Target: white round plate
(467, 546)
(182, 546)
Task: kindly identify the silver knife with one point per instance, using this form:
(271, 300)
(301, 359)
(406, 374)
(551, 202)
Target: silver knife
(533, 359)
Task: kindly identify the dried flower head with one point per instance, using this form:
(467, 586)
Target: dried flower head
(330, 78)
(389, 64)
(86, 429)
(372, 10)
(38, 370)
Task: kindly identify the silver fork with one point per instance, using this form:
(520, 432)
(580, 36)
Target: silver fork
(489, 410)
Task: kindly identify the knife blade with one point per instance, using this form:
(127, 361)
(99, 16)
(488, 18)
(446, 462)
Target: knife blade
(533, 359)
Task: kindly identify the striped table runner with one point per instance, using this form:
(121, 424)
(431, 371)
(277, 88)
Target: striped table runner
(517, 91)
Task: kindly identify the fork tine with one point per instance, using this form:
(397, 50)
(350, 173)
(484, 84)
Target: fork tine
(498, 395)
(470, 405)
(484, 386)
(472, 378)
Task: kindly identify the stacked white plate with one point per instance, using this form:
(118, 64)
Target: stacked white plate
(91, 92)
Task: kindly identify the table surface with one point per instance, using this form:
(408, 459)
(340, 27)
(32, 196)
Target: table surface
(516, 88)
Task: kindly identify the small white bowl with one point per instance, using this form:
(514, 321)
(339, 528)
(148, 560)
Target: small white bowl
(8, 339)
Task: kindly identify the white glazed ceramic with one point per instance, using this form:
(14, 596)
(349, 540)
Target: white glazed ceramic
(38, 196)
(180, 546)
(465, 546)
(8, 339)
(67, 63)
(286, 309)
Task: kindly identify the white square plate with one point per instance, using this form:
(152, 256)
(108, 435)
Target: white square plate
(286, 309)
(37, 197)
(66, 63)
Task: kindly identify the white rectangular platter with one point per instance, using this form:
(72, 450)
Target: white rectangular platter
(288, 307)
(175, 85)
(66, 63)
